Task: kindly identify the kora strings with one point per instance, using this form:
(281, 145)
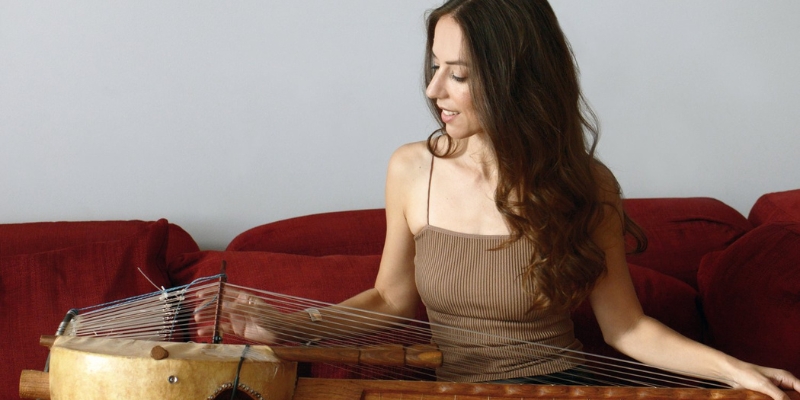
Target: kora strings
(169, 315)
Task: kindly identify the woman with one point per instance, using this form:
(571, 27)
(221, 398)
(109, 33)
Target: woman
(504, 220)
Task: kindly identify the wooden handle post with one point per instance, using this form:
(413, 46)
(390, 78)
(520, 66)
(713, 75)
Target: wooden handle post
(34, 384)
(423, 355)
(47, 340)
(386, 355)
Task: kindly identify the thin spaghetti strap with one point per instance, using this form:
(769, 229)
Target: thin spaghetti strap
(430, 178)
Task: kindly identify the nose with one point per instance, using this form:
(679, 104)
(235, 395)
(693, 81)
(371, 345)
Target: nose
(435, 89)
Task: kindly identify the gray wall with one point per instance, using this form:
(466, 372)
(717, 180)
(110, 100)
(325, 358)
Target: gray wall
(221, 116)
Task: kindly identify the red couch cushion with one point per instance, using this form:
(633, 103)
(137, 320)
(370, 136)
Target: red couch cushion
(751, 296)
(36, 291)
(35, 237)
(680, 231)
(357, 232)
(331, 279)
(663, 297)
(775, 207)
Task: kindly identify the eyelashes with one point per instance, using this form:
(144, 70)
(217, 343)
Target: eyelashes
(459, 79)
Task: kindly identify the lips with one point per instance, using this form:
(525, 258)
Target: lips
(448, 115)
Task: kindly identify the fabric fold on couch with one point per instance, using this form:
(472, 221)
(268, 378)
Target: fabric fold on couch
(751, 296)
(37, 290)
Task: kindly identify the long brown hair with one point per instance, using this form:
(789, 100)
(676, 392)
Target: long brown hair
(525, 89)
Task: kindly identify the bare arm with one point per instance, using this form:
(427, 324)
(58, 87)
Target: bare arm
(626, 328)
(395, 290)
(394, 294)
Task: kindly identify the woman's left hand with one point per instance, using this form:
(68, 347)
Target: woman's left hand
(769, 381)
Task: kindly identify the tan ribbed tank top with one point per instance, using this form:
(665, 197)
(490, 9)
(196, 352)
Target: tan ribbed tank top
(480, 313)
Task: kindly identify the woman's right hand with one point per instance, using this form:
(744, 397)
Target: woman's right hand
(243, 314)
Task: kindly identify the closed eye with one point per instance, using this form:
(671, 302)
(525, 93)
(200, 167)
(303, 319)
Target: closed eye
(459, 79)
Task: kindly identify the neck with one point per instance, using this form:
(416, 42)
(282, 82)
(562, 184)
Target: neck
(476, 152)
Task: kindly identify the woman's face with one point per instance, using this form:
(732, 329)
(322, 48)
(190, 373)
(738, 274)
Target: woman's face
(449, 86)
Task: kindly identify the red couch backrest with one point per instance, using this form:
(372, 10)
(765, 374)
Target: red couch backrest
(680, 231)
(776, 207)
(36, 237)
(356, 232)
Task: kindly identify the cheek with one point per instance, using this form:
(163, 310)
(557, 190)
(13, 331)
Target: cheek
(465, 100)
(469, 108)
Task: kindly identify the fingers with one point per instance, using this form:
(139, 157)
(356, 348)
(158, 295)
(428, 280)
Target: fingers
(786, 380)
(772, 391)
(783, 379)
(241, 314)
(260, 334)
(208, 330)
(768, 381)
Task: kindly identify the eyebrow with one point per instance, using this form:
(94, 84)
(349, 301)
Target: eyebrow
(456, 62)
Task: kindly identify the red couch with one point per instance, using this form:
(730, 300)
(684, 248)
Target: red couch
(710, 273)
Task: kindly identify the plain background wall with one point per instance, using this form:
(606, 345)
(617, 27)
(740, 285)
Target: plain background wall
(221, 116)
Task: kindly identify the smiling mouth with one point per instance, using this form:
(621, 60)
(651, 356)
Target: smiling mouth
(449, 113)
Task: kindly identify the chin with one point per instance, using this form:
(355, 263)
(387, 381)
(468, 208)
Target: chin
(458, 133)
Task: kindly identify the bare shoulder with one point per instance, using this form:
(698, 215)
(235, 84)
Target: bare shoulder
(607, 185)
(410, 161)
(609, 234)
(406, 186)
